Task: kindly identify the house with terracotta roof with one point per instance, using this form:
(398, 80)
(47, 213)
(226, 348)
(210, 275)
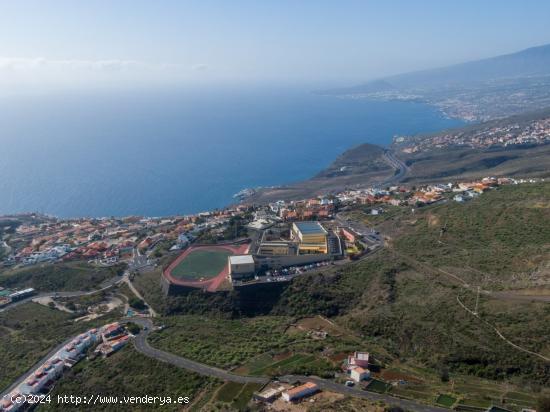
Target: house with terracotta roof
(359, 374)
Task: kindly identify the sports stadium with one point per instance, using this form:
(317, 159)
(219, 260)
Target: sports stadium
(202, 266)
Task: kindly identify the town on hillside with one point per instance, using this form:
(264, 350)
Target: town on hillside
(535, 132)
(243, 245)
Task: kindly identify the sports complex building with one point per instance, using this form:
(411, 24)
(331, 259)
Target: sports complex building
(200, 267)
(208, 267)
(311, 237)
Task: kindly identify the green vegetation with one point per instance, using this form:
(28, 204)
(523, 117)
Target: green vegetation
(500, 238)
(201, 264)
(261, 344)
(133, 328)
(378, 386)
(445, 400)
(229, 391)
(28, 332)
(235, 396)
(384, 297)
(137, 303)
(59, 277)
(543, 403)
(499, 241)
(128, 373)
(235, 229)
(297, 363)
(148, 285)
(468, 163)
(199, 338)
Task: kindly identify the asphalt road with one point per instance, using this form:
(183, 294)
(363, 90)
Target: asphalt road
(104, 286)
(361, 393)
(143, 347)
(35, 367)
(398, 165)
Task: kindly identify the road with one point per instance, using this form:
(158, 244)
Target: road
(36, 366)
(126, 279)
(397, 164)
(104, 286)
(361, 393)
(143, 347)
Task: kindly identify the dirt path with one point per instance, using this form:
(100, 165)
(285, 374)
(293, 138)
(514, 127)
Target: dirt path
(505, 339)
(136, 292)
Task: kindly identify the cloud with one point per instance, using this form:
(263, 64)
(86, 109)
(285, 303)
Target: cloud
(17, 73)
(200, 67)
(17, 63)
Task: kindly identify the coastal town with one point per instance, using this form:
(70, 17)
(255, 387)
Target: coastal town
(536, 132)
(285, 206)
(246, 248)
(272, 234)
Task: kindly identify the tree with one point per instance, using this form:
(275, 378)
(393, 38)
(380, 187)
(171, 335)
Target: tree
(133, 328)
(137, 303)
(543, 403)
(444, 374)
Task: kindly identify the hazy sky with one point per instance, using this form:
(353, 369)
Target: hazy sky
(52, 44)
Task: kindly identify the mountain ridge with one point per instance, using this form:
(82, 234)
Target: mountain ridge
(530, 62)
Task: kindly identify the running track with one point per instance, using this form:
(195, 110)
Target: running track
(209, 284)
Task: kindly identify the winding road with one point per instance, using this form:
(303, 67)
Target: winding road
(104, 286)
(143, 347)
(400, 167)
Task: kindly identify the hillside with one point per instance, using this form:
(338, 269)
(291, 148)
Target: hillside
(514, 146)
(499, 241)
(447, 165)
(460, 154)
(478, 90)
(530, 62)
(358, 166)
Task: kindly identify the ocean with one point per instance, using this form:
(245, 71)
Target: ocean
(158, 153)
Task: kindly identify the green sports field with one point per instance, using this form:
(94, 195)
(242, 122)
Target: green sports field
(201, 264)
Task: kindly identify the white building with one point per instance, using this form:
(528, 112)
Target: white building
(241, 266)
(300, 392)
(359, 374)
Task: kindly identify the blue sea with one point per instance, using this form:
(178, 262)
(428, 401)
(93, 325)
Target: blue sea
(160, 153)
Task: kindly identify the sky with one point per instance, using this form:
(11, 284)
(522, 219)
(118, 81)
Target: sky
(64, 44)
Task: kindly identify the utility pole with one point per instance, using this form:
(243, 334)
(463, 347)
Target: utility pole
(443, 230)
(477, 300)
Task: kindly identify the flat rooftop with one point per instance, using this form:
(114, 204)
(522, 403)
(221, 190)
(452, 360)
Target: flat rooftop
(310, 228)
(241, 259)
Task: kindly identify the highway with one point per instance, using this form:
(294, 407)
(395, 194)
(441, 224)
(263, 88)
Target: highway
(398, 165)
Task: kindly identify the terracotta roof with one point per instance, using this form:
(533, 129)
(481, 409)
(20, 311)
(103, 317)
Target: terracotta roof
(299, 389)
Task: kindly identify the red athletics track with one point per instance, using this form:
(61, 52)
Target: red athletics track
(210, 284)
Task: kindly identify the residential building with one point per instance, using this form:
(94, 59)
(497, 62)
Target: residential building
(300, 392)
(359, 374)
